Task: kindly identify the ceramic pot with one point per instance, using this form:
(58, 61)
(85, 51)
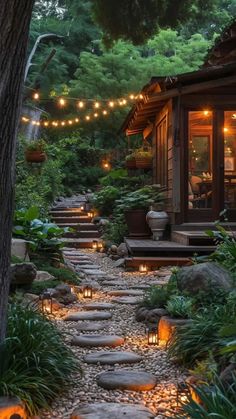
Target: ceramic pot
(157, 221)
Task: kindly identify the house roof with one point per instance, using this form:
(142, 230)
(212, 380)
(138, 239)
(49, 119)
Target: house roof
(160, 89)
(218, 70)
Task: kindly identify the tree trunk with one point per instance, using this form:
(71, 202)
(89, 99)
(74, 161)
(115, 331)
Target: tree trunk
(15, 18)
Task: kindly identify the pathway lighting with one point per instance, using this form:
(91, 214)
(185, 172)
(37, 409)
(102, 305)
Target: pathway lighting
(181, 393)
(46, 302)
(95, 245)
(143, 268)
(152, 336)
(90, 214)
(88, 292)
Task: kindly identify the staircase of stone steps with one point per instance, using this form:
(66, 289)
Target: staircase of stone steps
(84, 231)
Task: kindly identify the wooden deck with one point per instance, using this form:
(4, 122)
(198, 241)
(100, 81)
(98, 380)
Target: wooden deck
(164, 248)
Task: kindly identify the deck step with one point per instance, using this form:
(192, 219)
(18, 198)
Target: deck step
(154, 263)
(70, 223)
(165, 248)
(203, 226)
(192, 238)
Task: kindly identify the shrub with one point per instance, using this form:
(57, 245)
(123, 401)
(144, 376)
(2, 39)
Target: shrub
(179, 306)
(141, 198)
(60, 274)
(115, 231)
(38, 287)
(104, 200)
(35, 365)
(156, 297)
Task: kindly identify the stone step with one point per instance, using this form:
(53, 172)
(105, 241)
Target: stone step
(111, 411)
(69, 213)
(87, 226)
(78, 243)
(72, 220)
(98, 341)
(88, 315)
(88, 233)
(111, 358)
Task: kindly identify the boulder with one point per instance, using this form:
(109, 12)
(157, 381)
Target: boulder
(44, 276)
(153, 316)
(62, 293)
(167, 326)
(120, 263)
(23, 273)
(204, 277)
(113, 248)
(19, 249)
(122, 250)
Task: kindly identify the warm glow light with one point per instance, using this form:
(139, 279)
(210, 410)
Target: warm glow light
(234, 116)
(36, 96)
(143, 268)
(96, 105)
(87, 117)
(95, 115)
(104, 112)
(206, 113)
(45, 123)
(63, 123)
(124, 102)
(62, 102)
(33, 122)
(111, 104)
(141, 96)
(152, 335)
(132, 97)
(82, 207)
(95, 245)
(226, 129)
(88, 292)
(70, 122)
(76, 119)
(81, 104)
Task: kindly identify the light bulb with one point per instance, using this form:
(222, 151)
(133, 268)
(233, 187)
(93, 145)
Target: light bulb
(62, 102)
(36, 95)
(87, 117)
(81, 104)
(111, 104)
(96, 105)
(104, 112)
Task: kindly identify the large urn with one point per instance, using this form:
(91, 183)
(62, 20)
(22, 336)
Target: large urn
(157, 221)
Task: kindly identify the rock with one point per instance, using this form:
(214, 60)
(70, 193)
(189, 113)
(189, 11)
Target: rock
(126, 300)
(95, 272)
(113, 248)
(167, 326)
(153, 316)
(113, 283)
(207, 277)
(44, 276)
(121, 293)
(97, 340)
(111, 358)
(23, 273)
(120, 263)
(88, 315)
(19, 249)
(91, 326)
(141, 314)
(12, 407)
(112, 411)
(122, 250)
(63, 289)
(98, 306)
(90, 266)
(126, 380)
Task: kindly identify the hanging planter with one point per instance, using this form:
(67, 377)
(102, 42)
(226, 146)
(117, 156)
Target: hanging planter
(34, 153)
(143, 159)
(130, 162)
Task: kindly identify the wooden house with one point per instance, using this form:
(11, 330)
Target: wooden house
(190, 119)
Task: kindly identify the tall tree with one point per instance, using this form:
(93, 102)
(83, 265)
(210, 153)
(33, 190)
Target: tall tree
(15, 18)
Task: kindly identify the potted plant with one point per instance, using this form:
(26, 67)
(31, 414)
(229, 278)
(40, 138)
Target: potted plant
(34, 152)
(143, 158)
(135, 206)
(130, 161)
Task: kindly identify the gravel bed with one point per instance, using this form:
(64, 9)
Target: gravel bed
(162, 399)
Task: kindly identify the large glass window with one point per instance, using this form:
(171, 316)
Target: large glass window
(200, 160)
(230, 159)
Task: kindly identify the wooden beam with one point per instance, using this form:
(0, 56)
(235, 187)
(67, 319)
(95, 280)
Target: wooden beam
(194, 88)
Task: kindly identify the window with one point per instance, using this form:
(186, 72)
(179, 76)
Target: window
(161, 131)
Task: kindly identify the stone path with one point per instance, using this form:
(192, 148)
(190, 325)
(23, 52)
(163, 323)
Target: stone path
(133, 380)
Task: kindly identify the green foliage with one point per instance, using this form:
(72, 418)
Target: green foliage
(205, 371)
(38, 287)
(156, 297)
(180, 306)
(35, 364)
(60, 274)
(41, 235)
(225, 252)
(104, 200)
(218, 402)
(116, 177)
(37, 145)
(141, 198)
(115, 230)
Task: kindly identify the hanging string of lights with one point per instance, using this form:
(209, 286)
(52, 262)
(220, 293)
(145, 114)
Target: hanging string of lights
(55, 123)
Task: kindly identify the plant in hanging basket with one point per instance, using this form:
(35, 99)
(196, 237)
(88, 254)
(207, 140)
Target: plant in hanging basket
(34, 152)
(130, 161)
(143, 159)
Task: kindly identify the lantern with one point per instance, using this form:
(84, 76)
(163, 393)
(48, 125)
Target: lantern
(143, 268)
(181, 393)
(46, 302)
(88, 292)
(90, 214)
(82, 207)
(95, 245)
(100, 246)
(152, 336)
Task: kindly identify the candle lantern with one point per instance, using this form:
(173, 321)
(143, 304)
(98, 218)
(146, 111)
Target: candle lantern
(152, 335)
(88, 292)
(90, 214)
(100, 246)
(181, 393)
(46, 302)
(143, 268)
(95, 245)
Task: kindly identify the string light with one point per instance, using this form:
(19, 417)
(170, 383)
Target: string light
(206, 113)
(62, 102)
(96, 105)
(81, 104)
(87, 117)
(111, 104)
(104, 112)
(226, 129)
(36, 96)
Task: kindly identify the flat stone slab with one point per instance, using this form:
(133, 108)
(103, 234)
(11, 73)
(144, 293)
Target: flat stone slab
(88, 315)
(91, 326)
(89, 266)
(95, 272)
(113, 283)
(112, 358)
(141, 286)
(98, 306)
(112, 411)
(97, 340)
(120, 293)
(126, 300)
(127, 380)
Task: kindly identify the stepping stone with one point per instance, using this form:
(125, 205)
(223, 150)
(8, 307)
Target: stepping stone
(121, 293)
(111, 358)
(127, 380)
(98, 340)
(88, 315)
(113, 283)
(141, 287)
(98, 306)
(82, 267)
(95, 272)
(84, 262)
(112, 411)
(126, 300)
(91, 326)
